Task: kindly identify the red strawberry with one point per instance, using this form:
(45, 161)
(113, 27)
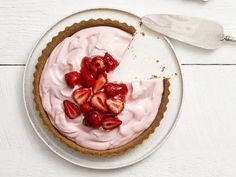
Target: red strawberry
(86, 64)
(86, 108)
(93, 119)
(99, 63)
(111, 63)
(120, 97)
(113, 89)
(72, 78)
(88, 80)
(98, 101)
(81, 95)
(100, 82)
(124, 89)
(71, 109)
(115, 106)
(109, 123)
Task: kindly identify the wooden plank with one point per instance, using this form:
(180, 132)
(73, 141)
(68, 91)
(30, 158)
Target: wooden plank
(23, 23)
(202, 143)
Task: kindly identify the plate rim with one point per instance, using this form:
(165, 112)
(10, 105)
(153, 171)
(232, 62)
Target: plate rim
(81, 164)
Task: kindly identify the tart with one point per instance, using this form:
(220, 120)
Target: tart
(80, 104)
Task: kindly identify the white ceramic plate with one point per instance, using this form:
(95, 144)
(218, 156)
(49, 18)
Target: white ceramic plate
(148, 54)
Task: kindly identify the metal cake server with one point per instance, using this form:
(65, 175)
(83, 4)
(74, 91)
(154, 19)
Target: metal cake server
(195, 31)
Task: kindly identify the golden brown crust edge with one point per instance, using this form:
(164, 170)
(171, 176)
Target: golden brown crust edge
(39, 107)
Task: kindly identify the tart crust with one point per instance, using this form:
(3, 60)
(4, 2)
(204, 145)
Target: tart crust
(43, 115)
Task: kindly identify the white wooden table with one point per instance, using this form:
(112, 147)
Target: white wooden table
(203, 142)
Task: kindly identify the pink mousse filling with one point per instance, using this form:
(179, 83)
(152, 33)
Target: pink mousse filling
(143, 99)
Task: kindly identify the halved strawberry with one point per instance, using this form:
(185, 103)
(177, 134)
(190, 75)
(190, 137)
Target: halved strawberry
(115, 106)
(81, 95)
(72, 78)
(113, 89)
(111, 63)
(120, 97)
(98, 101)
(86, 108)
(109, 122)
(88, 80)
(99, 63)
(86, 64)
(124, 89)
(100, 82)
(93, 119)
(71, 109)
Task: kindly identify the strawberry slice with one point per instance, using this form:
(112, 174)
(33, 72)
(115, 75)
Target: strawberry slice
(71, 109)
(93, 119)
(98, 101)
(86, 64)
(111, 63)
(124, 89)
(88, 80)
(113, 89)
(115, 106)
(99, 63)
(81, 95)
(109, 122)
(86, 108)
(72, 79)
(120, 97)
(100, 82)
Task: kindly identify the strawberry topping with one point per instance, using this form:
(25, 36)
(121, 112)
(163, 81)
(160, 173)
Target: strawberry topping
(86, 64)
(81, 95)
(86, 108)
(71, 109)
(115, 106)
(93, 119)
(109, 122)
(72, 79)
(100, 82)
(98, 101)
(120, 97)
(113, 89)
(88, 80)
(111, 63)
(99, 63)
(124, 89)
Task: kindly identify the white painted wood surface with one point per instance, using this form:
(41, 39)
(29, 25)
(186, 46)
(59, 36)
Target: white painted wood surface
(203, 141)
(23, 22)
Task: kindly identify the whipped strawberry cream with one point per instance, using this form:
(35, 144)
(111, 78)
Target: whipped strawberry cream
(142, 101)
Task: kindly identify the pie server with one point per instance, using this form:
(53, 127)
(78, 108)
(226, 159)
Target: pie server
(195, 31)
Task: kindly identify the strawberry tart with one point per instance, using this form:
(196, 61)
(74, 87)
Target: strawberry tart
(78, 101)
